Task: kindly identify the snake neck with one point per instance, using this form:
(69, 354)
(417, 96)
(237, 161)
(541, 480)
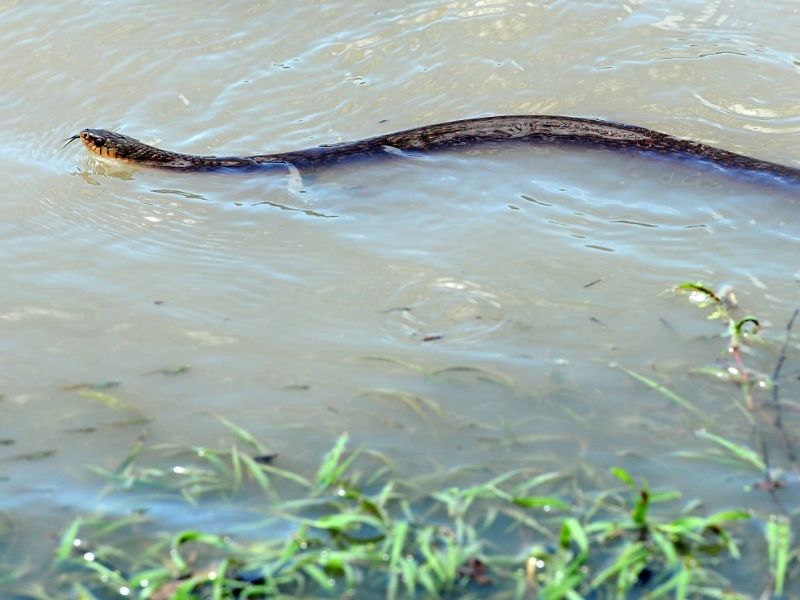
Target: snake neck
(150, 156)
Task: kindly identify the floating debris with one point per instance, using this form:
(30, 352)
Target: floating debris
(170, 370)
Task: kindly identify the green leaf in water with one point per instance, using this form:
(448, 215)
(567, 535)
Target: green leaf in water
(479, 374)
(701, 288)
(779, 537)
(419, 404)
(639, 515)
(743, 453)
(99, 386)
(333, 465)
(68, 540)
(623, 476)
(102, 397)
(573, 531)
(666, 392)
(124, 467)
(244, 435)
(545, 502)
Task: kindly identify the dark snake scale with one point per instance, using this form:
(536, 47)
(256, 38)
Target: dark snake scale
(537, 129)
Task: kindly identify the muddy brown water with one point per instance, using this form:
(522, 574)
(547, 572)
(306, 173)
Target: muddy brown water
(504, 286)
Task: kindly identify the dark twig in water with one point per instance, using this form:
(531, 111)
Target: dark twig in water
(776, 390)
(736, 329)
(769, 484)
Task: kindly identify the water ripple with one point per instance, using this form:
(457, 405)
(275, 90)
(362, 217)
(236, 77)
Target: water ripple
(456, 311)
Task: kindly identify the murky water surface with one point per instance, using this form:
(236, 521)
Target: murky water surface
(471, 308)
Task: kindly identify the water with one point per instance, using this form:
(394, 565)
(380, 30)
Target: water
(505, 286)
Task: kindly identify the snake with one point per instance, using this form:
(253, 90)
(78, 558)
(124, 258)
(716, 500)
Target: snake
(537, 129)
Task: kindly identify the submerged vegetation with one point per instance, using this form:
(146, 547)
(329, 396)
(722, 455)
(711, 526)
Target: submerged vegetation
(358, 526)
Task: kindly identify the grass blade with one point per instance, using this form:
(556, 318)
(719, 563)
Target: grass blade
(779, 535)
(743, 453)
(667, 393)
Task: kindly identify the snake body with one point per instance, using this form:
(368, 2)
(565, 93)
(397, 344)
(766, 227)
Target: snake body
(539, 129)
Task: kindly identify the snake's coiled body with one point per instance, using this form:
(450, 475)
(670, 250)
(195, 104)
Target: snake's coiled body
(540, 129)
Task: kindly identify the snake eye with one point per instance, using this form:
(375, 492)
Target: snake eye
(99, 142)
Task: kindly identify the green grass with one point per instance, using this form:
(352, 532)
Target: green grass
(357, 530)
(357, 526)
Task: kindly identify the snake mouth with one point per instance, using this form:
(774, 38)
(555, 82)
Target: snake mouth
(99, 145)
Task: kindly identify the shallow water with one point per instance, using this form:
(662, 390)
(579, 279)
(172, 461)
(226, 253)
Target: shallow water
(503, 286)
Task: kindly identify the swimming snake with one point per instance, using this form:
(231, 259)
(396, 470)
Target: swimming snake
(537, 129)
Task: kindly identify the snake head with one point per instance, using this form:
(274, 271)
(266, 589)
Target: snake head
(110, 144)
(106, 143)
